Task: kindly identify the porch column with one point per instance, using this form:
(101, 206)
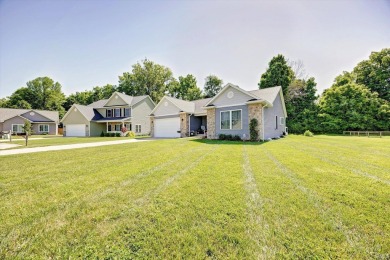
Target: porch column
(107, 127)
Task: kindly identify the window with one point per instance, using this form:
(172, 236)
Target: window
(128, 127)
(138, 128)
(127, 112)
(276, 121)
(44, 128)
(108, 113)
(109, 128)
(18, 128)
(231, 120)
(117, 112)
(282, 121)
(117, 127)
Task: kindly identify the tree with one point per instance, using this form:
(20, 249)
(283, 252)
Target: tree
(185, 88)
(81, 98)
(352, 107)
(146, 78)
(21, 98)
(27, 128)
(298, 69)
(278, 73)
(103, 92)
(212, 86)
(300, 105)
(374, 73)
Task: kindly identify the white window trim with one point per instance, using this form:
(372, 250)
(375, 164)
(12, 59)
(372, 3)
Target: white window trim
(138, 128)
(282, 122)
(22, 125)
(39, 128)
(220, 119)
(124, 112)
(119, 114)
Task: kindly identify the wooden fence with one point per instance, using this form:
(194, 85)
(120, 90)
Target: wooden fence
(368, 133)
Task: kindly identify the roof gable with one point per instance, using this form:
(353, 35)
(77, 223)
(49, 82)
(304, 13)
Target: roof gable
(231, 95)
(7, 113)
(118, 99)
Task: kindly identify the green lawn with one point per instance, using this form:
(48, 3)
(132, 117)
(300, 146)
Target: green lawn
(298, 197)
(61, 141)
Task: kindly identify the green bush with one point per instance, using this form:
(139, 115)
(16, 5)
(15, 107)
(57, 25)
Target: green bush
(102, 134)
(254, 134)
(130, 134)
(236, 138)
(222, 137)
(112, 134)
(308, 133)
(107, 134)
(117, 134)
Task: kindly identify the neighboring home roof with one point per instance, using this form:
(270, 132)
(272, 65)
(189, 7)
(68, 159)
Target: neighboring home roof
(7, 113)
(99, 103)
(88, 112)
(268, 94)
(130, 100)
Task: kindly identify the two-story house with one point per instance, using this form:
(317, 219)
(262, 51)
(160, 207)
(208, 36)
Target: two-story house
(109, 115)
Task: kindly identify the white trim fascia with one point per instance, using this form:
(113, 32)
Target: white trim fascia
(283, 104)
(226, 87)
(115, 93)
(161, 101)
(200, 114)
(234, 105)
(220, 119)
(261, 101)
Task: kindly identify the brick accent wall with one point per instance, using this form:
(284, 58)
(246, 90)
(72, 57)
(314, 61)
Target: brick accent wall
(152, 126)
(211, 123)
(256, 111)
(184, 121)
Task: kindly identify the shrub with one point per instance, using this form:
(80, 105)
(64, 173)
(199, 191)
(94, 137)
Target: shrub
(102, 134)
(236, 138)
(229, 137)
(222, 137)
(308, 133)
(106, 134)
(254, 134)
(118, 134)
(130, 134)
(112, 134)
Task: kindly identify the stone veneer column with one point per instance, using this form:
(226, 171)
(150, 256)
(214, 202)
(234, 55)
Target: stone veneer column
(211, 123)
(152, 126)
(184, 124)
(256, 111)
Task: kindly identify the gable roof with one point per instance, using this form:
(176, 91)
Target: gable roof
(88, 112)
(7, 113)
(98, 104)
(227, 86)
(130, 100)
(268, 94)
(192, 107)
(199, 104)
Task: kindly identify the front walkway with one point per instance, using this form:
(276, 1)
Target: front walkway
(67, 146)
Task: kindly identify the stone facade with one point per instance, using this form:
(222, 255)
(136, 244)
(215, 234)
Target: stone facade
(211, 123)
(184, 121)
(256, 111)
(152, 126)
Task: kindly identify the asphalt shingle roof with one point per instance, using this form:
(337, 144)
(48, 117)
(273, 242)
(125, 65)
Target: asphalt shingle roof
(7, 113)
(268, 94)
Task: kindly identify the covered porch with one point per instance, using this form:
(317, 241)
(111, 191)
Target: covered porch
(115, 125)
(198, 124)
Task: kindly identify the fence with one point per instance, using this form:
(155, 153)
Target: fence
(368, 133)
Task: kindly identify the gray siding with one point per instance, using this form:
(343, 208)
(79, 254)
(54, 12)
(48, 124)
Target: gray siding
(140, 116)
(270, 114)
(52, 128)
(1, 127)
(7, 125)
(244, 118)
(237, 99)
(170, 109)
(97, 128)
(116, 101)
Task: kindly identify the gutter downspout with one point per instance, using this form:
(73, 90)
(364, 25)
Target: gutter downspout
(262, 123)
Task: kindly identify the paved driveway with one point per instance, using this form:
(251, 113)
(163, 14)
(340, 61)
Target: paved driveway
(68, 146)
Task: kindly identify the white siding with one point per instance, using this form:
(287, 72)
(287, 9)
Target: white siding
(116, 101)
(166, 107)
(140, 114)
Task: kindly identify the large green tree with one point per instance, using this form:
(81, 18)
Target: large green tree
(186, 88)
(278, 73)
(374, 73)
(46, 94)
(352, 107)
(146, 78)
(212, 86)
(301, 107)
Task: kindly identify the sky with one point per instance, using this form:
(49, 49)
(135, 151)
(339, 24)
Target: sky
(83, 44)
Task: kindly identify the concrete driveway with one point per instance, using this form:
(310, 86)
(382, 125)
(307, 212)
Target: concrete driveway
(68, 146)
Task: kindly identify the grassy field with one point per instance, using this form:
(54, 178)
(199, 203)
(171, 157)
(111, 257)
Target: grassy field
(50, 141)
(298, 197)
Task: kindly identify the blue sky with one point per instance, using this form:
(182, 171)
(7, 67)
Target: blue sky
(83, 44)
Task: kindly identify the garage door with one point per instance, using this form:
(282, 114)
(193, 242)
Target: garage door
(75, 130)
(167, 127)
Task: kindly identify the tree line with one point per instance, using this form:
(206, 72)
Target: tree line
(357, 100)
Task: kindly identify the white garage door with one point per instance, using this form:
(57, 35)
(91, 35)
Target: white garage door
(167, 127)
(75, 130)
